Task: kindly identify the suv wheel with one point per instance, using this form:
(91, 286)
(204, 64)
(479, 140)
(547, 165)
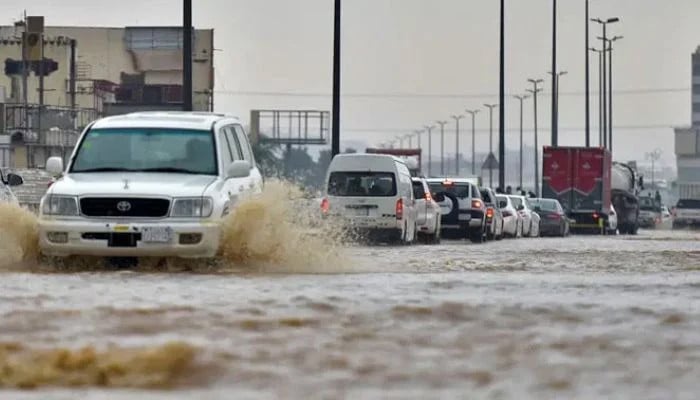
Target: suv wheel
(476, 236)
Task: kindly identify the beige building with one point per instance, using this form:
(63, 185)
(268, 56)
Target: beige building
(116, 69)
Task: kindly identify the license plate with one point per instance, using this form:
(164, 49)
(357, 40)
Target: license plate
(362, 212)
(157, 235)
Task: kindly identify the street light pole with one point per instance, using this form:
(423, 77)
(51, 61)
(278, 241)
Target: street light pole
(588, 80)
(555, 132)
(502, 109)
(473, 114)
(335, 141)
(605, 50)
(457, 118)
(442, 146)
(534, 91)
(600, 96)
(521, 99)
(610, 92)
(187, 56)
(555, 94)
(429, 129)
(490, 107)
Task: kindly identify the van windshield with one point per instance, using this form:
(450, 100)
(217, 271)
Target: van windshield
(147, 150)
(362, 184)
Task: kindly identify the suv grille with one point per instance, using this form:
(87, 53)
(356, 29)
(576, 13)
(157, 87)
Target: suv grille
(124, 207)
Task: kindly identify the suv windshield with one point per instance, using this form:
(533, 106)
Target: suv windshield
(147, 150)
(461, 190)
(689, 203)
(362, 184)
(486, 196)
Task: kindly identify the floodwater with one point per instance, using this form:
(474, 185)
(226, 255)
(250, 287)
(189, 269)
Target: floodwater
(575, 318)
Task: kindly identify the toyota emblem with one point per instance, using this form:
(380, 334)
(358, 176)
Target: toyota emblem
(124, 206)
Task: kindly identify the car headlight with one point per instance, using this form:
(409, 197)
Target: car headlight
(196, 207)
(60, 205)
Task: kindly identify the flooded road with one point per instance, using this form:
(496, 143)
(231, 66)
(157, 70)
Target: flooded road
(575, 318)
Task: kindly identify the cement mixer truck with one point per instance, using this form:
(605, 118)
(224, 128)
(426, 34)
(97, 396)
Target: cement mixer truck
(624, 188)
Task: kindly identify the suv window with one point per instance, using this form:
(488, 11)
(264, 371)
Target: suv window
(245, 145)
(461, 190)
(147, 150)
(486, 196)
(225, 149)
(233, 143)
(517, 202)
(418, 190)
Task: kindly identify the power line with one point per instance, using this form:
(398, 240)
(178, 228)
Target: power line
(405, 95)
(512, 130)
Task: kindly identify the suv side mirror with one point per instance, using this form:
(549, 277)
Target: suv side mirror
(54, 165)
(238, 169)
(439, 197)
(14, 180)
(521, 207)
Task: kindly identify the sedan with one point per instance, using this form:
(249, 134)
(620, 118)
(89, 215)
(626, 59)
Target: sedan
(554, 221)
(512, 223)
(530, 218)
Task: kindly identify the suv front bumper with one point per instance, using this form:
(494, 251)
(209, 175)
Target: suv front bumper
(81, 237)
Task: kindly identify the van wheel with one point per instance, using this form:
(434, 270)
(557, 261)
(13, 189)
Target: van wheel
(436, 237)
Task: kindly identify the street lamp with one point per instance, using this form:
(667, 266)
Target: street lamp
(429, 129)
(457, 118)
(490, 107)
(555, 94)
(534, 91)
(335, 141)
(610, 82)
(601, 140)
(442, 146)
(521, 99)
(605, 23)
(654, 156)
(473, 114)
(588, 78)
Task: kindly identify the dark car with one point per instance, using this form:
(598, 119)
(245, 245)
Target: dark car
(554, 221)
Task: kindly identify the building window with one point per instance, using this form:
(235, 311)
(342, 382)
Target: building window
(696, 108)
(154, 38)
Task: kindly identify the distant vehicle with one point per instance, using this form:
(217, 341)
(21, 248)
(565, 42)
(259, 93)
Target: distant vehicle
(665, 213)
(428, 214)
(512, 222)
(554, 221)
(530, 219)
(650, 213)
(686, 213)
(494, 216)
(463, 208)
(152, 184)
(612, 221)
(373, 193)
(625, 187)
(6, 183)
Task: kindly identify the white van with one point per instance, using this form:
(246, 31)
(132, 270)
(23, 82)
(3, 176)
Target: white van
(374, 194)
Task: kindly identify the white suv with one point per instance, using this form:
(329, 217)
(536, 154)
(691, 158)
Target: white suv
(151, 184)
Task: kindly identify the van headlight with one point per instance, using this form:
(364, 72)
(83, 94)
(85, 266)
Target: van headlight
(192, 207)
(66, 206)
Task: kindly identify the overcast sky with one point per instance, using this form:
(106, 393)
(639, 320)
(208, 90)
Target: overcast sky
(407, 63)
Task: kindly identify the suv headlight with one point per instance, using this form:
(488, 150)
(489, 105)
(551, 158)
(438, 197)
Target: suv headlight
(196, 207)
(60, 205)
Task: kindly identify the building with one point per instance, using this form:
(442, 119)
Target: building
(688, 142)
(89, 72)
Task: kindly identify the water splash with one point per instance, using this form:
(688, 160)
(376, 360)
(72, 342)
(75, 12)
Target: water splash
(19, 242)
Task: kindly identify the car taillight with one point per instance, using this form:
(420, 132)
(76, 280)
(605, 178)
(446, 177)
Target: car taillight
(595, 216)
(489, 213)
(325, 206)
(477, 204)
(428, 197)
(399, 209)
(554, 216)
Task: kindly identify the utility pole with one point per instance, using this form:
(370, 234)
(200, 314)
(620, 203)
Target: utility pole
(429, 129)
(490, 107)
(588, 80)
(534, 91)
(25, 76)
(555, 96)
(335, 140)
(473, 114)
(442, 146)
(654, 156)
(187, 55)
(457, 118)
(555, 130)
(502, 109)
(521, 99)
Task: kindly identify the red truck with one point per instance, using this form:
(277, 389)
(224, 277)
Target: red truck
(580, 178)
